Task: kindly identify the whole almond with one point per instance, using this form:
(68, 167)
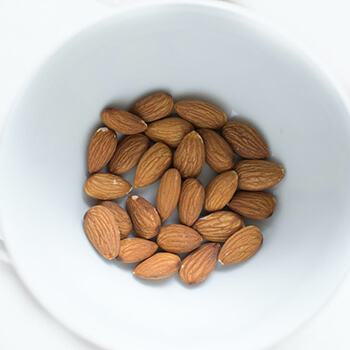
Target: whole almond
(144, 216)
(201, 114)
(152, 165)
(253, 205)
(128, 153)
(154, 107)
(191, 201)
(122, 121)
(106, 186)
(245, 140)
(102, 231)
(121, 217)
(258, 175)
(220, 190)
(218, 226)
(241, 246)
(218, 153)
(168, 193)
(158, 266)
(169, 130)
(189, 157)
(101, 148)
(198, 265)
(178, 238)
(135, 249)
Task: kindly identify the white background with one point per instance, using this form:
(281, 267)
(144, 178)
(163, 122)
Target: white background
(31, 29)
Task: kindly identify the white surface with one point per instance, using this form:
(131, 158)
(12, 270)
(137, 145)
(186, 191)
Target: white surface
(321, 332)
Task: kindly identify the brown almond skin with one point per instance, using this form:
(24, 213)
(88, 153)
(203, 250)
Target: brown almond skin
(106, 186)
(191, 201)
(102, 231)
(258, 175)
(154, 107)
(168, 193)
(101, 148)
(158, 266)
(201, 114)
(218, 226)
(241, 246)
(135, 249)
(144, 217)
(121, 217)
(178, 238)
(220, 190)
(152, 165)
(253, 205)
(189, 157)
(170, 131)
(122, 121)
(198, 265)
(245, 140)
(128, 153)
(218, 153)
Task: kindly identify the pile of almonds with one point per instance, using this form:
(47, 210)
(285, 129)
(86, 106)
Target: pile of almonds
(185, 140)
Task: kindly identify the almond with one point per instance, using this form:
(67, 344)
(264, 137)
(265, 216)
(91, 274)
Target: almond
(218, 153)
(241, 246)
(168, 193)
(258, 175)
(153, 163)
(169, 130)
(218, 226)
(189, 157)
(191, 201)
(122, 121)
(198, 265)
(245, 140)
(178, 238)
(253, 205)
(128, 153)
(154, 107)
(106, 186)
(121, 217)
(220, 190)
(135, 249)
(101, 148)
(160, 265)
(201, 114)
(144, 216)
(102, 231)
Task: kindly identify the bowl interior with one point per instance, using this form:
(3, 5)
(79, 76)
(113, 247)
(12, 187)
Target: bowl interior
(211, 52)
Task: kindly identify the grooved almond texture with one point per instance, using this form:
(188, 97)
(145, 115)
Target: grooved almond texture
(101, 148)
(189, 157)
(102, 231)
(135, 249)
(258, 175)
(253, 205)
(128, 153)
(245, 140)
(191, 201)
(218, 153)
(198, 265)
(178, 238)
(122, 121)
(220, 190)
(154, 107)
(158, 266)
(201, 114)
(241, 246)
(154, 162)
(106, 186)
(168, 193)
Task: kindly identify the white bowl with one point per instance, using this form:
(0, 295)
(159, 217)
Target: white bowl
(218, 53)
